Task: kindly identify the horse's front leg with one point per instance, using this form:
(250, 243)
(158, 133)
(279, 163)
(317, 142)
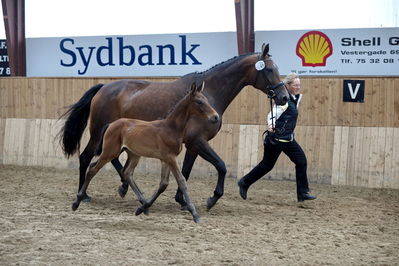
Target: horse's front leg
(208, 154)
(203, 149)
(165, 171)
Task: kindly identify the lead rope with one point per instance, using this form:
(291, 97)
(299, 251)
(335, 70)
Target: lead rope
(270, 95)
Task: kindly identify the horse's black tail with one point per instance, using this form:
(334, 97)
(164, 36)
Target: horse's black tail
(99, 147)
(75, 124)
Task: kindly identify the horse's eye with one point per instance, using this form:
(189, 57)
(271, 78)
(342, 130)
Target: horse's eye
(199, 102)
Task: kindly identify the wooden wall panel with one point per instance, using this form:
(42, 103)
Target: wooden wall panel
(345, 143)
(394, 180)
(2, 137)
(322, 103)
(359, 156)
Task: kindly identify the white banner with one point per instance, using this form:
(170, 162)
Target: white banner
(139, 55)
(335, 52)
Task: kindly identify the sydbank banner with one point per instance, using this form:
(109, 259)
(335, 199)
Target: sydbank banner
(124, 56)
(333, 52)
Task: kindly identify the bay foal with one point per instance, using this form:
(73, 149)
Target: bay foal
(160, 139)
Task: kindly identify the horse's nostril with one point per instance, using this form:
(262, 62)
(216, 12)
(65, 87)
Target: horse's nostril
(285, 99)
(214, 118)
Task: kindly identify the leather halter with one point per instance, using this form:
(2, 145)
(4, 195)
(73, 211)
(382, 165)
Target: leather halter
(270, 88)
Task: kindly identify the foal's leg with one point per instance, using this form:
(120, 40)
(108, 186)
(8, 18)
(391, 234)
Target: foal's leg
(122, 190)
(189, 159)
(127, 173)
(93, 170)
(181, 182)
(162, 186)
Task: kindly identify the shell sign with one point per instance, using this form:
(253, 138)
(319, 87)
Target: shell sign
(314, 47)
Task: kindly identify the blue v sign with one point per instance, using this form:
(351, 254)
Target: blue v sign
(353, 91)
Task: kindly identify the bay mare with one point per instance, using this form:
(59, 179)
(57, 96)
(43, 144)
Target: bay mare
(161, 139)
(147, 100)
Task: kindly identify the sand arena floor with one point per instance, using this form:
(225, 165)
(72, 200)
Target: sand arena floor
(344, 226)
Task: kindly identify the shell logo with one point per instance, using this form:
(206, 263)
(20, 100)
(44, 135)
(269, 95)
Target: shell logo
(314, 47)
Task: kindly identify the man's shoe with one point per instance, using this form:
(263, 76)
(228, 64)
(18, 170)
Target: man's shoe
(243, 189)
(305, 196)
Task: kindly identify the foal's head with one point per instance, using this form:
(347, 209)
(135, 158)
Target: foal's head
(199, 104)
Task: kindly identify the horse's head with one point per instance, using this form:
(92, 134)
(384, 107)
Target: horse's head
(268, 77)
(199, 104)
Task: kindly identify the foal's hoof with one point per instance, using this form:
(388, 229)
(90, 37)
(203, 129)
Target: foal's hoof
(122, 191)
(86, 198)
(211, 202)
(75, 205)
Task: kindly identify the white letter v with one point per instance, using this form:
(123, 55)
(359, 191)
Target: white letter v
(353, 93)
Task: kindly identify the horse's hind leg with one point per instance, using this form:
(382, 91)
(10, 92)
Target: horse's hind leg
(181, 182)
(94, 168)
(84, 161)
(162, 186)
(122, 190)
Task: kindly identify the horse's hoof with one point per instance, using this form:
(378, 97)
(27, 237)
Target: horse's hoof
(211, 202)
(140, 210)
(197, 219)
(146, 211)
(75, 205)
(86, 198)
(122, 191)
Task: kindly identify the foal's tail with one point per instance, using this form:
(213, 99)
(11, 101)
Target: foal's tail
(99, 147)
(75, 124)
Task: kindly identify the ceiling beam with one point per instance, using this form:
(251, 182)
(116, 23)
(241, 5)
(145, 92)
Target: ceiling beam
(244, 10)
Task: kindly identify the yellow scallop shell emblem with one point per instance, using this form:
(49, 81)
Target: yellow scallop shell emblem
(314, 47)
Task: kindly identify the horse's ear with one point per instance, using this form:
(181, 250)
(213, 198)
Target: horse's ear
(193, 88)
(202, 87)
(265, 50)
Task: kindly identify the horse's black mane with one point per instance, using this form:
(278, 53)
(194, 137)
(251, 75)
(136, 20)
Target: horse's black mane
(219, 64)
(198, 76)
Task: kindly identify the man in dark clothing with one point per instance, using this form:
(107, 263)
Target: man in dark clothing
(280, 138)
